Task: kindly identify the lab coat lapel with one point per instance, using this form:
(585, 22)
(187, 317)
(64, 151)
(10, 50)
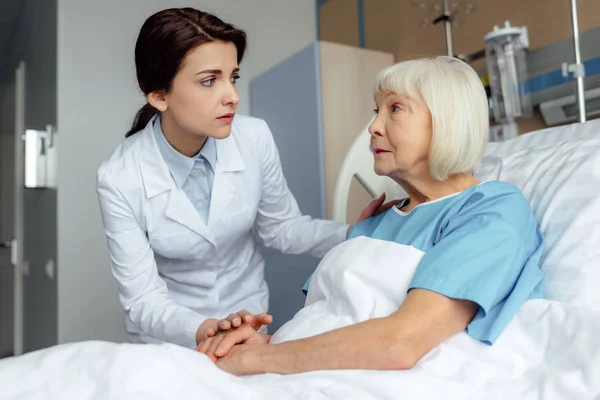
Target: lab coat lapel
(181, 210)
(229, 161)
(157, 180)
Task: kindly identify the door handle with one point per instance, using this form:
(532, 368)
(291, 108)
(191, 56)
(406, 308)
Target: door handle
(12, 245)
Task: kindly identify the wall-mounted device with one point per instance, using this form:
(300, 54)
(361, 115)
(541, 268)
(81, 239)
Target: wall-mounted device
(40, 158)
(565, 109)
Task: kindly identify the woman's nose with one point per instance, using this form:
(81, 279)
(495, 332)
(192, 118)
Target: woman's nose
(375, 128)
(232, 96)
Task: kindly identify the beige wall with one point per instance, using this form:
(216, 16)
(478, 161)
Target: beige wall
(338, 22)
(347, 76)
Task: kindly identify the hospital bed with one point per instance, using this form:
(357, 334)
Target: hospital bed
(558, 170)
(549, 351)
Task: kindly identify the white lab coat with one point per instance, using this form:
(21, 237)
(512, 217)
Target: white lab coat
(172, 270)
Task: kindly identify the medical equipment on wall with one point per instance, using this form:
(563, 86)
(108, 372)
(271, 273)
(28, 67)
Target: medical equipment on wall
(565, 109)
(507, 69)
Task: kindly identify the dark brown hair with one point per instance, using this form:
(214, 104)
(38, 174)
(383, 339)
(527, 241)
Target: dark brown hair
(164, 41)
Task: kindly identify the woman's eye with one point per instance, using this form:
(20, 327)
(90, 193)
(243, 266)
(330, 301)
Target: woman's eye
(235, 78)
(376, 111)
(395, 108)
(208, 82)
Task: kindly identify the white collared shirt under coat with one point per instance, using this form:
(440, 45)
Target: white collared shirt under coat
(173, 271)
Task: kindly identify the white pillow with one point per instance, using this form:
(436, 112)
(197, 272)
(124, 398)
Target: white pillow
(558, 171)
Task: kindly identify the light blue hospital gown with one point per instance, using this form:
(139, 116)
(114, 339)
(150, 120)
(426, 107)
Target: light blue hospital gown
(482, 244)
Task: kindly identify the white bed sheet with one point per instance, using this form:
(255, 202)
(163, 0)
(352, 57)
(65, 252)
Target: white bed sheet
(549, 351)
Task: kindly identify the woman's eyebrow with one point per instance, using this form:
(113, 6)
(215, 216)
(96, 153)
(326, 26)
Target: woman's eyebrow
(210, 71)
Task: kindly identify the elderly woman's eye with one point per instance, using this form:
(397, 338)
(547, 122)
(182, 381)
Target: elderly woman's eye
(395, 108)
(376, 111)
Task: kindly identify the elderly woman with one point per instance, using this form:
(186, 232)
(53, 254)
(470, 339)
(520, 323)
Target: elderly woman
(480, 240)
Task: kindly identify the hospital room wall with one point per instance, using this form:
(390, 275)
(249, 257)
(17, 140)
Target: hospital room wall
(97, 99)
(393, 26)
(34, 43)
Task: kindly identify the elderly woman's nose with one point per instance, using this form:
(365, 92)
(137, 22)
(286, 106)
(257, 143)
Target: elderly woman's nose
(375, 129)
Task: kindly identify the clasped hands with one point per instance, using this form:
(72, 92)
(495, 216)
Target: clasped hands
(227, 341)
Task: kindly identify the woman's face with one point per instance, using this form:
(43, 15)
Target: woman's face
(203, 97)
(401, 136)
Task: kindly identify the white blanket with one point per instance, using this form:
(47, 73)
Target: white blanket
(548, 351)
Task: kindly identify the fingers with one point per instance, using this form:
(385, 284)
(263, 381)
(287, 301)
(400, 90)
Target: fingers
(211, 332)
(380, 199)
(233, 320)
(372, 208)
(204, 346)
(260, 320)
(375, 204)
(224, 325)
(246, 316)
(214, 345)
(232, 338)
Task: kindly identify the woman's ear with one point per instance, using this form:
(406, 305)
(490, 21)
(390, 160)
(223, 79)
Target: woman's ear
(158, 100)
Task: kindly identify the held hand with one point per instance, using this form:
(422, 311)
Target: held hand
(207, 329)
(243, 360)
(218, 346)
(375, 208)
(235, 320)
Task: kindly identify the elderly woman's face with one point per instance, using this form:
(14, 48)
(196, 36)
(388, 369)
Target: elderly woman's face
(401, 136)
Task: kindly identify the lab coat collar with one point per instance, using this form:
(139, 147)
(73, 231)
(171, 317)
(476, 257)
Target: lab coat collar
(156, 175)
(229, 160)
(229, 157)
(157, 179)
(180, 165)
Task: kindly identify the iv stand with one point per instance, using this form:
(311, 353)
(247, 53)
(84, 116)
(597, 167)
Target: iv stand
(577, 69)
(446, 18)
(448, 26)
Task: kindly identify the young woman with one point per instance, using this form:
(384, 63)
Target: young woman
(181, 196)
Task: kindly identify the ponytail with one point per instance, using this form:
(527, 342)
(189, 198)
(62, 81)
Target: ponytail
(141, 119)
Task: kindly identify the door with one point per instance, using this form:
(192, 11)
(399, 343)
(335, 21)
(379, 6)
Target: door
(12, 122)
(7, 194)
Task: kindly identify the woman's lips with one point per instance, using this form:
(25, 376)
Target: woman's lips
(226, 118)
(381, 151)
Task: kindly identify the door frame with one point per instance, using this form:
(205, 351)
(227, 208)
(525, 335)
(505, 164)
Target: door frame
(17, 244)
